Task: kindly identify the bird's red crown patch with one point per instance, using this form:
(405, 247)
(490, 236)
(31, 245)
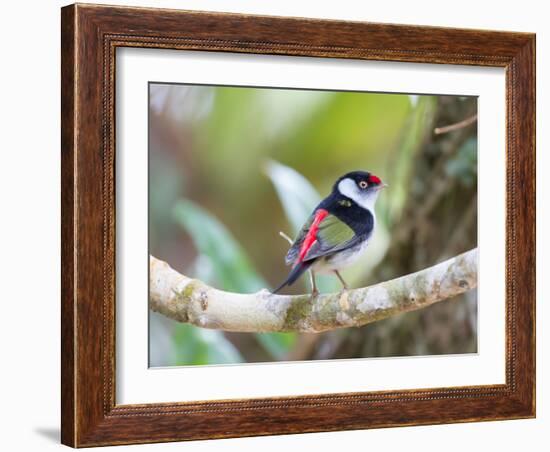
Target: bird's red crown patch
(374, 179)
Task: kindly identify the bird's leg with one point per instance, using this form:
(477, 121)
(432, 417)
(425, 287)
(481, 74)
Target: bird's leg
(343, 299)
(314, 291)
(344, 285)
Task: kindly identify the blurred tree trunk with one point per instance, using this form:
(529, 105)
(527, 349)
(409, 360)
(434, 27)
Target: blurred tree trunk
(442, 191)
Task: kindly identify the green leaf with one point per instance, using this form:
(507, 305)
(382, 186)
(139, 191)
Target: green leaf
(229, 264)
(198, 346)
(222, 261)
(277, 344)
(295, 192)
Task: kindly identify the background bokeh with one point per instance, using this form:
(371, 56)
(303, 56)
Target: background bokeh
(230, 167)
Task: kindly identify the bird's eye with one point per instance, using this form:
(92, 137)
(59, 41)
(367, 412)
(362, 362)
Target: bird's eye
(363, 184)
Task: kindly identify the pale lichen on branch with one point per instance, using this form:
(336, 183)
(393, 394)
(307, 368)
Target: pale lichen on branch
(191, 301)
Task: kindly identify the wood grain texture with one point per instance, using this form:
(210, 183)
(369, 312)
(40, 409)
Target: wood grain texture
(90, 36)
(67, 227)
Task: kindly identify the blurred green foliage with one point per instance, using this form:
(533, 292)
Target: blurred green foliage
(231, 167)
(297, 195)
(226, 266)
(463, 165)
(229, 266)
(197, 346)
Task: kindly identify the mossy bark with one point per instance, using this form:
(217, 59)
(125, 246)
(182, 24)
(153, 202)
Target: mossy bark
(188, 300)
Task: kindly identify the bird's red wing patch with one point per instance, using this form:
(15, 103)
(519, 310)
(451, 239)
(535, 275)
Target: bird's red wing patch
(311, 236)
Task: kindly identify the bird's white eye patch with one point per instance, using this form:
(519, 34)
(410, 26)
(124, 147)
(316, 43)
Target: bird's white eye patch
(363, 184)
(348, 187)
(366, 199)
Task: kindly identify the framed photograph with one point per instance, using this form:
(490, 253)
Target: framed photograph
(282, 225)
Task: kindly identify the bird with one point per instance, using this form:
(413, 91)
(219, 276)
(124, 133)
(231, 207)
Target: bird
(338, 230)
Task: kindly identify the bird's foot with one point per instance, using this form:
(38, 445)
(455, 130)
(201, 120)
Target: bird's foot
(314, 294)
(343, 299)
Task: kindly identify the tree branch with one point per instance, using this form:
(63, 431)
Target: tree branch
(459, 125)
(192, 301)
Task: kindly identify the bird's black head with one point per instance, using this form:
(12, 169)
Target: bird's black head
(362, 179)
(360, 186)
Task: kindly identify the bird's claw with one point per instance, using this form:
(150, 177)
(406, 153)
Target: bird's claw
(343, 298)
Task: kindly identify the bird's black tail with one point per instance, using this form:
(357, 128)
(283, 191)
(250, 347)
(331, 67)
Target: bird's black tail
(295, 273)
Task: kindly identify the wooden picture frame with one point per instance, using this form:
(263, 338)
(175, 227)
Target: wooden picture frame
(90, 36)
